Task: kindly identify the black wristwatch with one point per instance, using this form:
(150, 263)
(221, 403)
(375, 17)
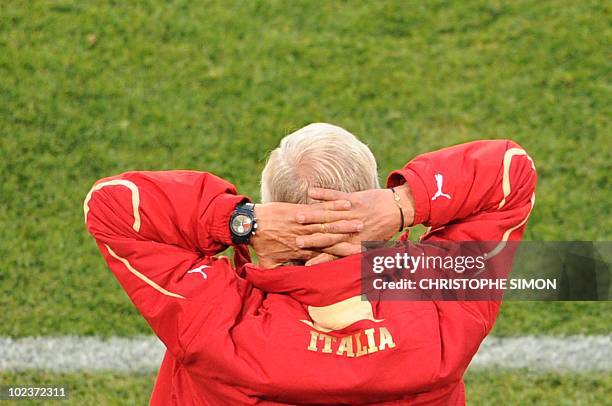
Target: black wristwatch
(243, 223)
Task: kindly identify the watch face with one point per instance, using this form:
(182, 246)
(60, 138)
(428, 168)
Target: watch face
(241, 225)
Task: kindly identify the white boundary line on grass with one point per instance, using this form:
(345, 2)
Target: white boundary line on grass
(144, 354)
(546, 353)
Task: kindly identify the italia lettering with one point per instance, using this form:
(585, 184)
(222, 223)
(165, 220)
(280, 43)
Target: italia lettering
(359, 344)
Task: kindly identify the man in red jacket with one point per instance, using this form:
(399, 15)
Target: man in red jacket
(296, 334)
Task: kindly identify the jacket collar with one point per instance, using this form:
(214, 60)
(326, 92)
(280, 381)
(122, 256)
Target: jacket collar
(317, 285)
(331, 291)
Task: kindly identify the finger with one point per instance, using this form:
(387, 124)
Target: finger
(319, 259)
(344, 227)
(326, 194)
(306, 254)
(332, 205)
(301, 254)
(337, 227)
(320, 240)
(311, 216)
(343, 249)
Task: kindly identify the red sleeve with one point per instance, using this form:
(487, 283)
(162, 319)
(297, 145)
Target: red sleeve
(486, 194)
(153, 228)
(474, 192)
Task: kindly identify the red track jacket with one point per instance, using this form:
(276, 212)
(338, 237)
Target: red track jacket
(294, 334)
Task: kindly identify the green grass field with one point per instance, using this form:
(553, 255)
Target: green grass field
(89, 89)
(483, 388)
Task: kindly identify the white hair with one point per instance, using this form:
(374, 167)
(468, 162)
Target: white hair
(318, 155)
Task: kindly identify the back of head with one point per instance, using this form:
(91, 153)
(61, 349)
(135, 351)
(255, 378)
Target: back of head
(318, 155)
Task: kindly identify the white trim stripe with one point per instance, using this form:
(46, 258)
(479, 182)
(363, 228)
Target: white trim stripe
(141, 276)
(512, 152)
(117, 182)
(506, 189)
(506, 235)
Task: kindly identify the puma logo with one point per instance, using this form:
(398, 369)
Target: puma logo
(200, 271)
(439, 181)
